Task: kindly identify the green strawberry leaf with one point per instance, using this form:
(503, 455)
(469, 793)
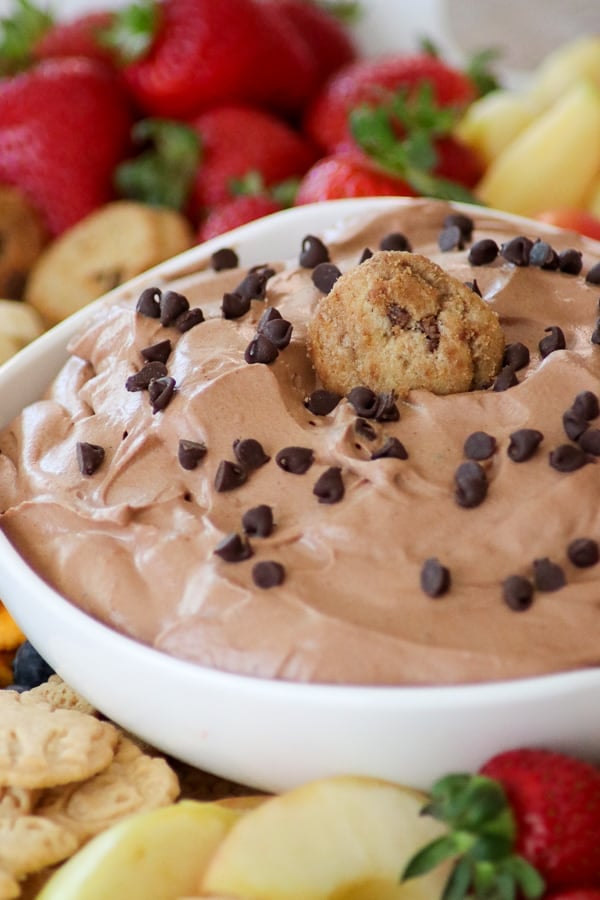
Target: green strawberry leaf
(348, 12)
(480, 71)
(162, 175)
(132, 31)
(19, 34)
(399, 136)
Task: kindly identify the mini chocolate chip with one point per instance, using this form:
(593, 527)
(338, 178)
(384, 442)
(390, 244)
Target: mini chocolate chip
(329, 487)
(517, 250)
(365, 401)
(267, 574)
(270, 314)
(254, 285)
(595, 338)
(463, 222)
(258, 521)
(296, 460)
(450, 238)
(583, 552)
(149, 303)
(322, 402)
(189, 319)
(430, 328)
(586, 405)
(365, 429)
(392, 448)
(516, 356)
(233, 548)
(279, 332)
(172, 305)
(229, 476)
(159, 352)
(543, 256)
(161, 392)
(398, 315)
(483, 252)
(150, 372)
(435, 578)
(570, 262)
(190, 453)
(523, 444)
(517, 592)
(593, 276)
(589, 441)
(313, 252)
(387, 408)
(89, 456)
(250, 454)
(574, 424)
(471, 484)
(395, 241)
(554, 341)
(324, 276)
(234, 306)
(225, 258)
(365, 255)
(505, 379)
(548, 576)
(261, 350)
(479, 445)
(473, 286)
(567, 458)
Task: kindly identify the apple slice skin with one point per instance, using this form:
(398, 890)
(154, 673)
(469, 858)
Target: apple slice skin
(331, 839)
(158, 855)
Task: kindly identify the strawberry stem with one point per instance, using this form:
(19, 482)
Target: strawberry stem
(410, 154)
(132, 31)
(19, 34)
(481, 836)
(161, 175)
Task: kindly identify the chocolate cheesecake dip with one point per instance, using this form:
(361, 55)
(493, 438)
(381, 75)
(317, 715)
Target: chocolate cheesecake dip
(375, 462)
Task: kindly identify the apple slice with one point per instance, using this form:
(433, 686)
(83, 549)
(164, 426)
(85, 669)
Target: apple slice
(491, 123)
(574, 61)
(553, 162)
(344, 837)
(148, 856)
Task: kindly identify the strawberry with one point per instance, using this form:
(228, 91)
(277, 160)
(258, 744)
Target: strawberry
(239, 211)
(346, 175)
(370, 81)
(529, 822)
(576, 894)
(64, 125)
(81, 36)
(239, 139)
(330, 43)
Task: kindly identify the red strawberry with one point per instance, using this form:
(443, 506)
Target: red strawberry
(239, 211)
(78, 37)
(344, 175)
(457, 162)
(64, 125)
(370, 81)
(237, 140)
(330, 42)
(529, 822)
(577, 894)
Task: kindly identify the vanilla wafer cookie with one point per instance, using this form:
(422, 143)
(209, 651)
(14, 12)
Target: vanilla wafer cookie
(30, 843)
(22, 238)
(41, 746)
(16, 801)
(59, 695)
(9, 886)
(133, 782)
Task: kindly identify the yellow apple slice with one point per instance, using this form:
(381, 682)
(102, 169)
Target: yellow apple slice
(492, 122)
(339, 837)
(574, 61)
(553, 163)
(157, 855)
(593, 199)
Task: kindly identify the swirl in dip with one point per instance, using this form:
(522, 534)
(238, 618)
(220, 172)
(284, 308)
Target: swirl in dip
(387, 560)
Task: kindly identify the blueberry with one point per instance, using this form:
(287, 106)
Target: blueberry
(29, 669)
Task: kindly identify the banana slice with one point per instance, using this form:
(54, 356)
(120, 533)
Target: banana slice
(110, 246)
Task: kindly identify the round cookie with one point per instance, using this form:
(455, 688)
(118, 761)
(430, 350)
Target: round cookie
(398, 322)
(22, 238)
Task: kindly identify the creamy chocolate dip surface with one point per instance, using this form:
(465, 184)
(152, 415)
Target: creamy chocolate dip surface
(375, 569)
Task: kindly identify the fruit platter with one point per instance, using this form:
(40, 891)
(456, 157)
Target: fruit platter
(298, 500)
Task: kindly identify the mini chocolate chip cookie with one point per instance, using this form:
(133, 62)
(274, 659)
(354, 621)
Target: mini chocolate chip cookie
(399, 322)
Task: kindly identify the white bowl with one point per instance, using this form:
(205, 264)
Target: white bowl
(269, 734)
